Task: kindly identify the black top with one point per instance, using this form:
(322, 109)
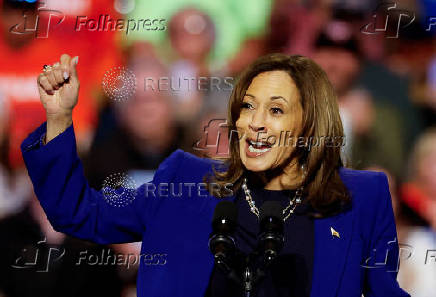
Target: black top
(291, 272)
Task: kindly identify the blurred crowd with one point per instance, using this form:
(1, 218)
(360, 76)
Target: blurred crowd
(384, 75)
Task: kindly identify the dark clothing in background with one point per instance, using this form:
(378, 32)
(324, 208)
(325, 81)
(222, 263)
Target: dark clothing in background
(117, 154)
(57, 275)
(428, 116)
(389, 88)
(291, 273)
(383, 145)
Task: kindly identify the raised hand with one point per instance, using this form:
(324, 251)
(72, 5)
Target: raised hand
(58, 88)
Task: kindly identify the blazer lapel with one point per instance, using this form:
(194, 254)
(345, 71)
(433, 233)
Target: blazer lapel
(332, 242)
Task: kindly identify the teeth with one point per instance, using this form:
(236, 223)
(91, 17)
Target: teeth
(258, 143)
(255, 150)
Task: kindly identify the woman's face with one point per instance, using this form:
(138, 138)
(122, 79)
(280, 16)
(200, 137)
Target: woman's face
(271, 110)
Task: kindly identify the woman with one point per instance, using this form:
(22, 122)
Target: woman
(339, 224)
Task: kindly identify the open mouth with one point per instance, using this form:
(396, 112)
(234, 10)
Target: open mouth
(258, 146)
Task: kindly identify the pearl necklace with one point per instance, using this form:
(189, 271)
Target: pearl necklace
(291, 207)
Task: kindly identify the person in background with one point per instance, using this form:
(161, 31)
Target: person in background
(15, 187)
(418, 239)
(295, 26)
(144, 132)
(405, 77)
(22, 57)
(192, 36)
(23, 52)
(427, 104)
(419, 192)
(374, 129)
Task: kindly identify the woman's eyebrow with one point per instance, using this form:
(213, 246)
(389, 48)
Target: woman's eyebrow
(279, 97)
(272, 97)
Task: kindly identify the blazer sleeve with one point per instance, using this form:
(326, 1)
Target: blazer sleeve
(383, 264)
(72, 206)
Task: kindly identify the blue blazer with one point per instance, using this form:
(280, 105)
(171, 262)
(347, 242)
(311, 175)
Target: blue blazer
(361, 259)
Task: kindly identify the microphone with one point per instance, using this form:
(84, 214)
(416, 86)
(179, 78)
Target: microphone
(271, 236)
(270, 242)
(221, 242)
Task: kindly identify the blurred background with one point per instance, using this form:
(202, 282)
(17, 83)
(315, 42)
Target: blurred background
(379, 56)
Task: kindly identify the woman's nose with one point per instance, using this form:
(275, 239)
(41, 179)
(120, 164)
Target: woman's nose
(257, 122)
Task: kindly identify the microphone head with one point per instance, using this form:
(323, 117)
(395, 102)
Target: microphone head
(224, 222)
(226, 213)
(271, 209)
(271, 238)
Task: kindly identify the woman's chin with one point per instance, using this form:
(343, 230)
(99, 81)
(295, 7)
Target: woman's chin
(255, 166)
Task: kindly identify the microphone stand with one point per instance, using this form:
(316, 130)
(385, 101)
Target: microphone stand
(250, 278)
(222, 262)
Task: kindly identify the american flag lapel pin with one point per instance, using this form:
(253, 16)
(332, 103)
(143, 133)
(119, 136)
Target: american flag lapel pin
(334, 232)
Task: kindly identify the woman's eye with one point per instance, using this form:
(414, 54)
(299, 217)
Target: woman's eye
(277, 110)
(245, 105)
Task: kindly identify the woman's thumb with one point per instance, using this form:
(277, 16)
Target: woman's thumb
(73, 65)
